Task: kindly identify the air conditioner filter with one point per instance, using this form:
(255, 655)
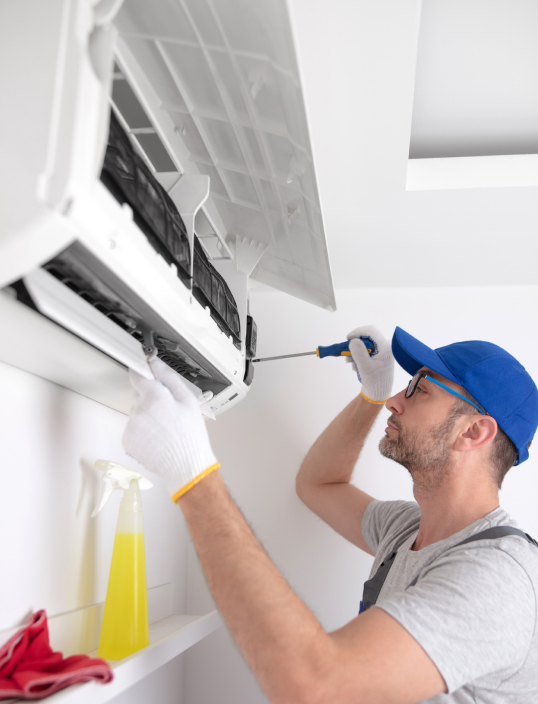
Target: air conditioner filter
(130, 180)
(210, 289)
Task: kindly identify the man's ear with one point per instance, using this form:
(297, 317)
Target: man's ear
(479, 431)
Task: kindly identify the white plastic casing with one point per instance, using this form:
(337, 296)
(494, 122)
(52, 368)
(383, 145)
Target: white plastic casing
(255, 209)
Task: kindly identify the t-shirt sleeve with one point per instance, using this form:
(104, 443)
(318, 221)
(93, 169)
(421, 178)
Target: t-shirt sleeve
(383, 518)
(473, 611)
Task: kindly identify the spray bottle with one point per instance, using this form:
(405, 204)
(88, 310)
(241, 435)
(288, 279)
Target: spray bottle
(125, 620)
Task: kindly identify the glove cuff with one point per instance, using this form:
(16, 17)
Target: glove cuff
(187, 487)
(377, 403)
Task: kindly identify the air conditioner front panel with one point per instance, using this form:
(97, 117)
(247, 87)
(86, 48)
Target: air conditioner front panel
(54, 131)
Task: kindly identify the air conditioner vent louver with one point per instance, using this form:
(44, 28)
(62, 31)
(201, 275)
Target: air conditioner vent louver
(68, 268)
(179, 363)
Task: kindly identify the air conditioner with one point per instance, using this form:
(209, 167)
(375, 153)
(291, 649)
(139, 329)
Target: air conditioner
(155, 164)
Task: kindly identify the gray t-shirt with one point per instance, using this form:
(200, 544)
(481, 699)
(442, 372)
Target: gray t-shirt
(473, 609)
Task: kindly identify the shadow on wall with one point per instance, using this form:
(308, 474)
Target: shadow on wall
(89, 488)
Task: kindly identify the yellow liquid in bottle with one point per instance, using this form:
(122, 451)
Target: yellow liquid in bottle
(125, 619)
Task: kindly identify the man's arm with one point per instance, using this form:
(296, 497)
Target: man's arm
(323, 482)
(373, 659)
(323, 479)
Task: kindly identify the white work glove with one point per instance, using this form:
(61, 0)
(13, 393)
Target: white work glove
(375, 372)
(166, 431)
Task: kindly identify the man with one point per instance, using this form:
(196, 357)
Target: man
(466, 630)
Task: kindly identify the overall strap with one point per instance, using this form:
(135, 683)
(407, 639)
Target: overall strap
(490, 534)
(498, 532)
(372, 586)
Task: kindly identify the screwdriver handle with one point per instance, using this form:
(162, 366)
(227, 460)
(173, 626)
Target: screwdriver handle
(341, 349)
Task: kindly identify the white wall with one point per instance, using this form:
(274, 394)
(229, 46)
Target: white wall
(53, 555)
(261, 442)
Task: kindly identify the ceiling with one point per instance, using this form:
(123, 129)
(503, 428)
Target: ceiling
(379, 81)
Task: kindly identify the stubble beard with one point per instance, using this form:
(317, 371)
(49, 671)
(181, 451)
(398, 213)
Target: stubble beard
(425, 455)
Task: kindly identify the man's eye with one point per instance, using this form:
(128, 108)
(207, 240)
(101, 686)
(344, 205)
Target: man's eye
(421, 390)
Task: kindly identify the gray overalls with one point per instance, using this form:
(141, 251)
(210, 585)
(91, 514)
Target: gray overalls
(373, 586)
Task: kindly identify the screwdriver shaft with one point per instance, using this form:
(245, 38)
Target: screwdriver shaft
(284, 356)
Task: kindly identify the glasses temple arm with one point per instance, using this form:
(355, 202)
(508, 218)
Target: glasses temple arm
(454, 393)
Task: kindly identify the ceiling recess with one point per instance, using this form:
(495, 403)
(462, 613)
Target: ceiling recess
(476, 90)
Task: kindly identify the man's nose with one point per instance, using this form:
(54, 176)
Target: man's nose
(395, 404)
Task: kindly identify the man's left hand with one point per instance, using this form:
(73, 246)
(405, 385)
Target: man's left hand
(166, 431)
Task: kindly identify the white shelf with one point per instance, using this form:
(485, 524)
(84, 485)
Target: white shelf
(78, 631)
(168, 638)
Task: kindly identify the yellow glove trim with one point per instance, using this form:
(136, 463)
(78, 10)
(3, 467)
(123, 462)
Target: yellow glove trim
(195, 481)
(377, 403)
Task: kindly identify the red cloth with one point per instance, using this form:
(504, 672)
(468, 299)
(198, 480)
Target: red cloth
(29, 669)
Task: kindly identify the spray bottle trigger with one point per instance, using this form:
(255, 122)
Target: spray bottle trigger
(106, 491)
(115, 476)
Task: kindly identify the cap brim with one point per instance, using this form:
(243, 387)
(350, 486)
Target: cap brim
(412, 355)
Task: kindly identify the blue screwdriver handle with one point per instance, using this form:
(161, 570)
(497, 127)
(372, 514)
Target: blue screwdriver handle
(341, 349)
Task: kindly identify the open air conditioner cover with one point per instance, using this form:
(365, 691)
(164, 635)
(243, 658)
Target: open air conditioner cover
(221, 84)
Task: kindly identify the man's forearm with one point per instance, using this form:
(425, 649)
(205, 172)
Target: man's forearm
(372, 659)
(332, 457)
(280, 638)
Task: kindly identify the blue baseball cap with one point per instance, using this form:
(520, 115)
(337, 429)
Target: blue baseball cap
(499, 383)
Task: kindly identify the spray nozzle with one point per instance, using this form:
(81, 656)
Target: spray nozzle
(115, 476)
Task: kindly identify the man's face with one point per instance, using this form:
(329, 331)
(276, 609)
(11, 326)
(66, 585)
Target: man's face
(421, 431)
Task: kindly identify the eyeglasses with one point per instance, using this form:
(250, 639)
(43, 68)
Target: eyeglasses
(413, 384)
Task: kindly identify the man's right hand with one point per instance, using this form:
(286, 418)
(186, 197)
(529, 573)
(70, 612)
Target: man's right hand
(376, 371)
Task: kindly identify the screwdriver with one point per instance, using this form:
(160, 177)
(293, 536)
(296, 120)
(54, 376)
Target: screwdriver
(340, 349)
